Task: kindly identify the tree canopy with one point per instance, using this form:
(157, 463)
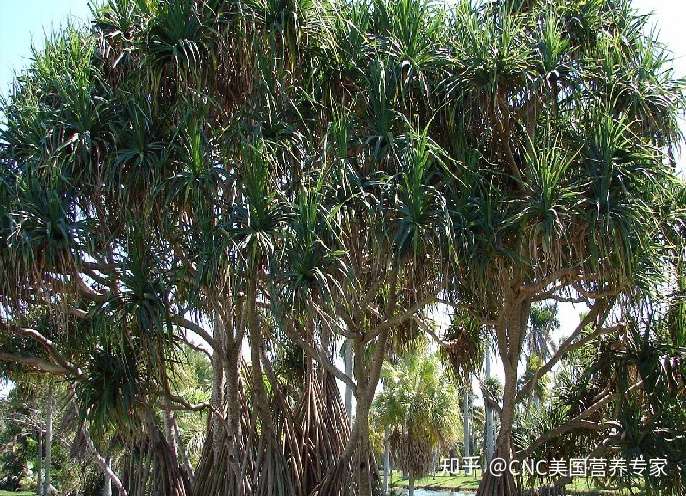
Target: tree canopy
(272, 177)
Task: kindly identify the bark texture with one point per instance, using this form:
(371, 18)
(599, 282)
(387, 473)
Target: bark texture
(510, 332)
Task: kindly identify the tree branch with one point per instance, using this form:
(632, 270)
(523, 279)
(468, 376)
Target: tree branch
(599, 311)
(102, 463)
(578, 422)
(534, 288)
(33, 362)
(192, 326)
(47, 345)
(322, 359)
(399, 319)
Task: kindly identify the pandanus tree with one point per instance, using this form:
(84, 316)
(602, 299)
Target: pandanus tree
(617, 396)
(566, 110)
(391, 264)
(285, 175)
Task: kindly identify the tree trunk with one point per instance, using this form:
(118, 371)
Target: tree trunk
(218, 383)
(169, 434)
(233, 408)
(106, 467)
(39, 487)
(510, 332)
(259, 392)
(502, 484)
(366, 385)
(179, 454)
(272, 473)
(489, 431)
(466, 423)
(364, 473)
(107, 489)
(348, 359)
(48, 441)
(386, 461)
(410, 485)
(183, 452)
(367, 371)
(223, 463)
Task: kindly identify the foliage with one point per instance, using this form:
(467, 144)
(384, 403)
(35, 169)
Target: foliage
(419, 407)
(543, 321)
(289, 174)
(641, 373)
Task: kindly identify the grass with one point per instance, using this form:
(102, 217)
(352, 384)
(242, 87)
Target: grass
(451, 482)
(463, 482)
(454, 482)
(586, 487)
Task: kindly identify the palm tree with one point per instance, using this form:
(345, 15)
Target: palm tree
(418, 406)
(543, 321)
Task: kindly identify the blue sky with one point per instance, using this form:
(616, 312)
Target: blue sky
(24, 21)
